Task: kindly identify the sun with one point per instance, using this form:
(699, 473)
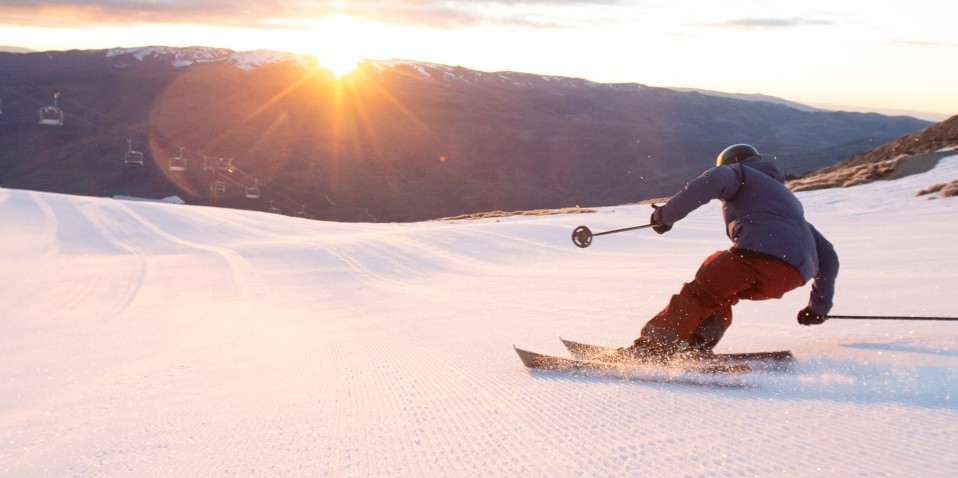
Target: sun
(339, 42)
(339, 63)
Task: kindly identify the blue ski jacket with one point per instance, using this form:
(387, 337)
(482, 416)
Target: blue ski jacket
(762, 215)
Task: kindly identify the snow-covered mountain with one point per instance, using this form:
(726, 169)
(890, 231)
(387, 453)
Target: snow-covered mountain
(405, 141)
(153, 339)
(180, 57)
(183, 57)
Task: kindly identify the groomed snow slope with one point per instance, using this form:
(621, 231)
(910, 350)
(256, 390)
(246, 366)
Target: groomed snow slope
(141, 339)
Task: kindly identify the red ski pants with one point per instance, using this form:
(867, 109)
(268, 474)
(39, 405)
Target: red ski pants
(721, 281)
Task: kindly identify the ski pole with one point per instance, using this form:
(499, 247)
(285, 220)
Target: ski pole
(582, 236)
(889, 317)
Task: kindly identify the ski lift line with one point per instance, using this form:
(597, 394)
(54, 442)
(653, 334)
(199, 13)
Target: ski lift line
(276, 190)
(79, 114)
(247, 175)
(225, 177)
(234, 170)
(133, 157)
(287, 197)
(258, 186)
(89, 111)
(82, 113)
(79, 118)
(265, 185)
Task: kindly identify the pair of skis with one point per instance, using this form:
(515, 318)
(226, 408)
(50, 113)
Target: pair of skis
(712, 369)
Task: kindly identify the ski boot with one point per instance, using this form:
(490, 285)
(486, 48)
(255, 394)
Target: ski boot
(646, 350)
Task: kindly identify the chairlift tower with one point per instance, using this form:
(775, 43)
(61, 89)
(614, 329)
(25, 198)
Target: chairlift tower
(217, 166)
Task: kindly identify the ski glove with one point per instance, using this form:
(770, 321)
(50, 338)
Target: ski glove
(656, 220)
(807, 316)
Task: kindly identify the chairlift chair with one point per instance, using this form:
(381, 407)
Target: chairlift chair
(253, 192)
(52, 115)
(273, 209)
(301, 212)
(132, 158)
(178, 163)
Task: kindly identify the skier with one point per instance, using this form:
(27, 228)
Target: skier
(774, 250)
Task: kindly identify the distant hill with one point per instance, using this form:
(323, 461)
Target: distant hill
(925, 115)
(14, 49)
(752, 97)
(394, 141)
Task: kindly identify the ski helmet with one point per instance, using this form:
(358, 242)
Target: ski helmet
(736, 153)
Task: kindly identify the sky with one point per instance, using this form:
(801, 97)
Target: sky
(880, 55)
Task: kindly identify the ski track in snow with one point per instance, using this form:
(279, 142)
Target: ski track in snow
(145, 339)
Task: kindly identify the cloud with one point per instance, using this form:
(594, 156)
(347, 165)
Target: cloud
(762, 23)
(281, 13)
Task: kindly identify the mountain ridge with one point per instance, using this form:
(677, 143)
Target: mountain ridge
(393, 141)
(913, 153)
